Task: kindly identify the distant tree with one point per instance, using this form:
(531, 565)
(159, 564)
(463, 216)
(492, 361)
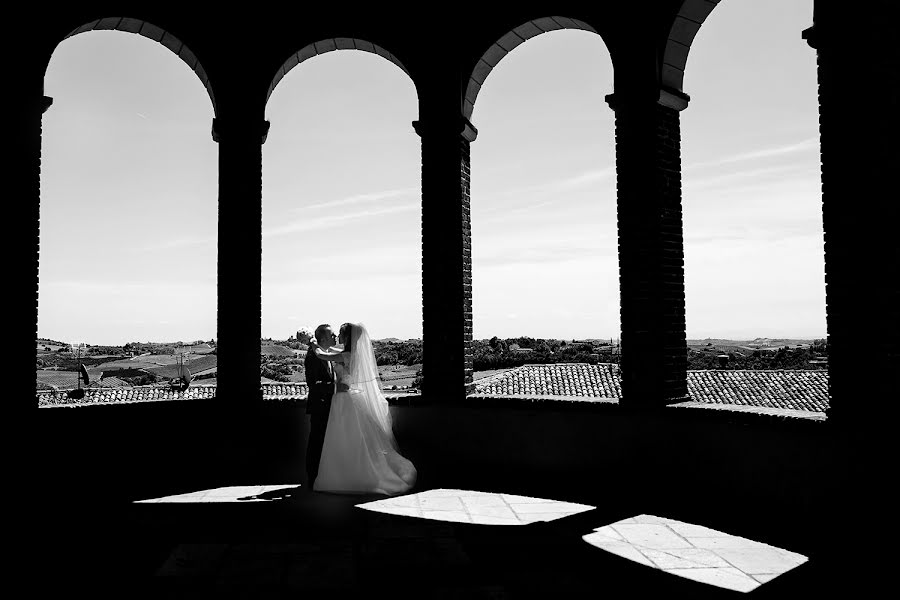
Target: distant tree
(524, 342)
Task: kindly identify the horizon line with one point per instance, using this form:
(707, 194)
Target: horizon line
(616, 337)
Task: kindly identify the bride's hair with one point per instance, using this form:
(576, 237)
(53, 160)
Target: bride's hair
(344, 333)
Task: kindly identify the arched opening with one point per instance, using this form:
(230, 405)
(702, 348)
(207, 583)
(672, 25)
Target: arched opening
(342, 207)
(754, 261)
(128, 209)
(505, 45)
(157, 34)
(544, 240)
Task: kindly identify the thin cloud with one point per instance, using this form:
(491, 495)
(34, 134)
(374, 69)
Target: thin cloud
(801, 146)
(773, 232)
(554, 187)
(587, 178)
(330, 221)
(732, 179)
(358, 199)
(545, 255)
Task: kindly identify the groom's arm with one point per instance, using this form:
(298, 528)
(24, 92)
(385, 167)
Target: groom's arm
(329, 355)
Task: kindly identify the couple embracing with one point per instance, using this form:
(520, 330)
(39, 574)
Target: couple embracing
(351, 446)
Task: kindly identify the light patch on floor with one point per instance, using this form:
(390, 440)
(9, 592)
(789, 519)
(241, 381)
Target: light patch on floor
(483, 508)
(232, 493)
(695, 552)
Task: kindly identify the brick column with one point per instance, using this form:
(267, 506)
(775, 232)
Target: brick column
(239, 318)
(651, 249)
(25, 170)
(446, 257)
(858, 109)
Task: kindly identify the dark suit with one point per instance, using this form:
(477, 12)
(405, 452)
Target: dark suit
(320, 382)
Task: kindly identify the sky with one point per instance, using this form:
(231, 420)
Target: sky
(129, 188)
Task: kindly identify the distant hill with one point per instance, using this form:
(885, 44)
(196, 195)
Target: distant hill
(275, 350)
(773, 342)
(194, 366)
(391, 339)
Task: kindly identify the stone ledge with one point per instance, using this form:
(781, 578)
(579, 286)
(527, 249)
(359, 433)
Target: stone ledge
(545, 401)
(750, 416)
(759, 410)
(299, 400)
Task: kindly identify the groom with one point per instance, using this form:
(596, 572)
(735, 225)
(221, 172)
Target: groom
(320, 382)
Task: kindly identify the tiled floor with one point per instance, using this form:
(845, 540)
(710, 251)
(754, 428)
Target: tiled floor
(232, 493)
(279, 540)
(484, 508)
(695, 552)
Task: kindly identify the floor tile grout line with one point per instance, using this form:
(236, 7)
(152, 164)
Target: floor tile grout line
(711, 550)
(686, 540)
(639, 546)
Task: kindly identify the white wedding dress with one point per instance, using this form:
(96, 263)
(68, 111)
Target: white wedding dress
(359, 454)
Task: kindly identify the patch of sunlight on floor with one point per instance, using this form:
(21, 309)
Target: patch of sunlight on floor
(483, 508)
(233, 493)
(695, 552)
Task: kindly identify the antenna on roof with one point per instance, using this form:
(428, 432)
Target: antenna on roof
(78, 393)
(184, 373)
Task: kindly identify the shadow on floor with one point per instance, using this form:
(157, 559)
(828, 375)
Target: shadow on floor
(283, 542)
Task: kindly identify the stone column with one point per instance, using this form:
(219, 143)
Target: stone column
(239, 319)
(446, 256)
(858, 109)
(24, 217)
(651, 248)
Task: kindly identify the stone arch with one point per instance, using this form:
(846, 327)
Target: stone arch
(157, 34)
(684, 28)
(329, 45)
(505, 45)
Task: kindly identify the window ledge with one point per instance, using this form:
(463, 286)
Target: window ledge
(757, 410)
(545, 401)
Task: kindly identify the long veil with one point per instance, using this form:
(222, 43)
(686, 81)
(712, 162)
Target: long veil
(362, 378)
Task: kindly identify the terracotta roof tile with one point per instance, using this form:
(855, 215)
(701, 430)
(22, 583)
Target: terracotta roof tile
(98, 395)
(568, 379)
(784, 389)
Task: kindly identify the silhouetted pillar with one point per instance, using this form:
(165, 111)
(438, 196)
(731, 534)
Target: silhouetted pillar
(23, 215)
(239, 320)
(446, 256)
(858, 111)
(651, 249)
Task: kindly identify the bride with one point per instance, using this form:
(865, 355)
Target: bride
(359, 454)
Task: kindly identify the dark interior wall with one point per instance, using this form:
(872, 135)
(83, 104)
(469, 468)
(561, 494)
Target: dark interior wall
(726, 472)
(143, 450)
(685, 463)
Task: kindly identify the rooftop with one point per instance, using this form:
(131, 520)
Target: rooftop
(797, 392)
(777, 390)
